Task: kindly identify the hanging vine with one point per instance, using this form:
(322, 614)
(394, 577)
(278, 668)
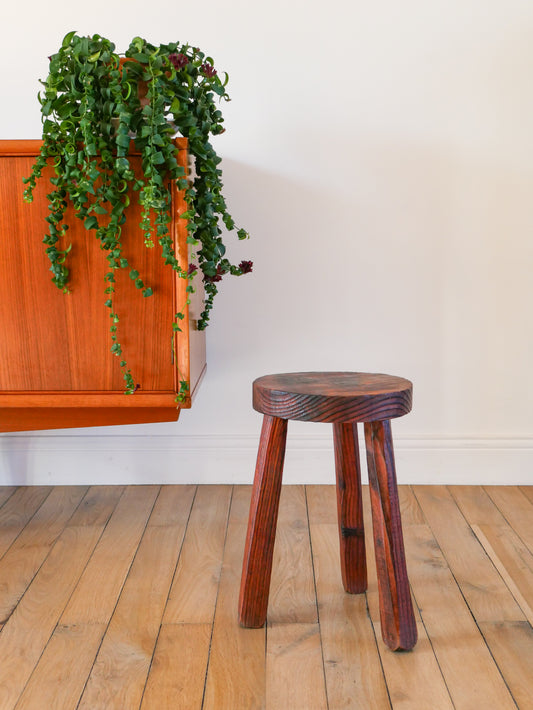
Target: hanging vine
(94, 103)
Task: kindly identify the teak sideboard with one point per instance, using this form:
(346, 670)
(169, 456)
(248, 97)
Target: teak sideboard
(56, 368)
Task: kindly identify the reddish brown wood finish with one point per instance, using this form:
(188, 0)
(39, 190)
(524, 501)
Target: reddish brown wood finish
(342, 398)
(332, 396)
(350, 507)
(398, 625)
(55, 346)
(259, 547)
(27, 419)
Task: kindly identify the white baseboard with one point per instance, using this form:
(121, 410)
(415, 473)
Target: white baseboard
(31, 459)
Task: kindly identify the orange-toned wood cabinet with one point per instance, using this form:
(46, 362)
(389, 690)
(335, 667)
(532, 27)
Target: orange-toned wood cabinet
(56, 368)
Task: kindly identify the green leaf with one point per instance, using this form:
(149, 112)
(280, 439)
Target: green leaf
(91, 222)
(158, 158)
(147, 292)
(123, 140)
(134, 274)
(141, 57)
(68, 38)
(122, 164)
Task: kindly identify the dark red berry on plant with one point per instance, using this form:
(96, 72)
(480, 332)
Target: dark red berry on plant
(178, 60)
(246, 266)
(208, 70)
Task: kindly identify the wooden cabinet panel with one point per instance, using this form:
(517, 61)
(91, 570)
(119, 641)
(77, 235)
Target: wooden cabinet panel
(56, 368)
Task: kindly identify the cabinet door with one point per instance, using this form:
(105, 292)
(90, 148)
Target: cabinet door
(55, 347)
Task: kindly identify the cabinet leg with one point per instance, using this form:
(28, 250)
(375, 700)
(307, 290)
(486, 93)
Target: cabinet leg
(259, 547)
(350, 507)
(398, 625)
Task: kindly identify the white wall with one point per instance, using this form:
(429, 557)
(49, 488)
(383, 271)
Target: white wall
(381, 155)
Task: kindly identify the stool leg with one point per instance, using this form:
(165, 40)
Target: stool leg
(350, 507)
(259, 547)
(398, 625)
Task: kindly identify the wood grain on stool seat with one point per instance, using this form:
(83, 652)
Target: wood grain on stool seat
(332, 396)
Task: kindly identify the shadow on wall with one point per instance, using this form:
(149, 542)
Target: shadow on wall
(390, 256)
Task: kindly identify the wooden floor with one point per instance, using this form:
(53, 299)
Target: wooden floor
(123, 598)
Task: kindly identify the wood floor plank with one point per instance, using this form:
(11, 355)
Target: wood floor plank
(6, 492)
(516, 508)
(17, 510)
(29, 628)
(294, 652)
(527, 491)
(62, 671)
(322, 504)
(507, 551)
(97, 506)
(292, 596)
(236, 671)
(27, 553)
(173, 507)
(476, 505)
(60, 675)
(426, 687)
(177, 676)
(410, 509)
(119, 674)
(194, 589)
(472, 678)
(240, 504)
(487, 595)
(511, 644)
(513, 561)
(110, 563)
(354, 676)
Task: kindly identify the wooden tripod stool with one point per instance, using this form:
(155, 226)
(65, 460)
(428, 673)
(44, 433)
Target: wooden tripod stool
(342, 398)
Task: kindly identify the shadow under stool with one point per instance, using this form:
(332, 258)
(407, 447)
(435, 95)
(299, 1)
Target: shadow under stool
(343, 399)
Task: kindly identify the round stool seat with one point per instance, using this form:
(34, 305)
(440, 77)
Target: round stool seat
(332, 396)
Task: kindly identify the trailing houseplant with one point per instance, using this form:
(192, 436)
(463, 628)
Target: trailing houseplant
(94, 103)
